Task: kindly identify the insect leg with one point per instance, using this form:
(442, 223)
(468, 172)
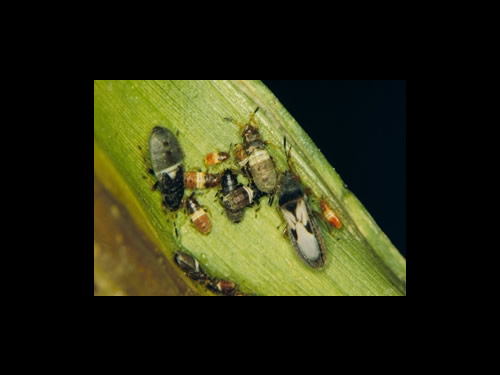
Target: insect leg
(271, 199)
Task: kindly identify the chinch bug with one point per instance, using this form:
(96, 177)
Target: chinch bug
(226, 287)
(166, 159)
(229, 184)
(190, 266)
(241, 197)
(303, 231)
(236, 197)
(260, 164)
(199, 217)
(200, 180)
(216, 157)
(329, 214)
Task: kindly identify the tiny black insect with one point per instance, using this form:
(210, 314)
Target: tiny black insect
(190, 266)
(166, 159)
(226, 287)
(242, 197)
(236, 197)
(229, 184)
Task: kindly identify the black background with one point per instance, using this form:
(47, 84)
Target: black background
(360, 127)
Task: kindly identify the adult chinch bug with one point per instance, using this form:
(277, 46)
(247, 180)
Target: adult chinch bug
(199, 217)
(166, 159)
(303, 231)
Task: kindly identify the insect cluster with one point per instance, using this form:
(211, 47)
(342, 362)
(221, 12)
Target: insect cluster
(256, 164)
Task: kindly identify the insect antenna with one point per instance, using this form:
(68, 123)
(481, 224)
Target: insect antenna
(288, 155)
(251, 120)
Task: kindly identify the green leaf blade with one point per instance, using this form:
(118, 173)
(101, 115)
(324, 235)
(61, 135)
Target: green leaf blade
(254, 253)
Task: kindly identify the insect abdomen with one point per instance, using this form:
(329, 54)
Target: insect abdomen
(164, 149)
(201, 180)
(330, 215)
(173, 189)
(190, 265)
(216, 157)
(239, 198)
(262, 170)
(199, 217)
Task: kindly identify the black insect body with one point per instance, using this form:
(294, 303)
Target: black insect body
(166, 159)
(302, 229)
(241, 197)
(226, 287)
(172, 189)
(190, 266)
(229, 182)
(236, 197)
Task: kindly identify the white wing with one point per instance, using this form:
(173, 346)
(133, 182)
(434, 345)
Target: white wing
(307, 243)
(305, 240)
